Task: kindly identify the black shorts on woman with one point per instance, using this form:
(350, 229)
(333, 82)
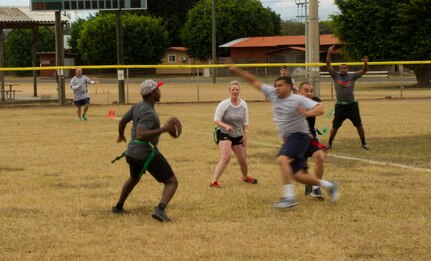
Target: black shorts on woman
(235, 140)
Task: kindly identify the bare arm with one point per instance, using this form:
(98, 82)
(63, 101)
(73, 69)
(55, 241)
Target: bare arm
(328, 59)
(365, 68)
(121, 126)
(146, 135)
(223, 125)
(250, 78)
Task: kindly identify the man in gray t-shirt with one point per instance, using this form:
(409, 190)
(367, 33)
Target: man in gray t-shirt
(346, 106)
(289, 112)
(142, 153)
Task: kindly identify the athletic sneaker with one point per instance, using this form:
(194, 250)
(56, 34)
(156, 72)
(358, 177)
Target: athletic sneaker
(316, 193)
(214, 184)
(365, 147)
(285, 203)
(84, 117)
(333, 192)
(118, 210)
(249, 180)
(160, 215)
(308, 189)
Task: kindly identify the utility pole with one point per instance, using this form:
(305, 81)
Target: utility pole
(59, 57)
(302, 15)
(120, 58)
(314, 41)
(213, 39)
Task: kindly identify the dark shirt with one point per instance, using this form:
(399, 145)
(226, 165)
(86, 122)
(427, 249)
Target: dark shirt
(312, 120)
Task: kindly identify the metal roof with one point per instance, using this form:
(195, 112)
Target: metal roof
(14, 16)
(276, 41)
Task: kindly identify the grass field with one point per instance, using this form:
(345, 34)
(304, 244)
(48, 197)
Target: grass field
(57, 187)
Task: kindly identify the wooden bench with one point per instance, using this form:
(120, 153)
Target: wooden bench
(10, 94)
(369, 74)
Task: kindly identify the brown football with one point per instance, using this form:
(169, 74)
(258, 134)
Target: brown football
(177, 128)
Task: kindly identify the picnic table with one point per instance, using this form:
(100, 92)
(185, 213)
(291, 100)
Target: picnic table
(10, 94)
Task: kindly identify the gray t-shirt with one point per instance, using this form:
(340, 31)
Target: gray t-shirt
(235, 116)
(145, 117)
(79, 87)
(285, 112)
(344, 86)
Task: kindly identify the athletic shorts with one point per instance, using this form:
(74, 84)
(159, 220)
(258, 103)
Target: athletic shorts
(295, 147)
(82, 102)
(235, 141)
(346, 111)
(159, 167)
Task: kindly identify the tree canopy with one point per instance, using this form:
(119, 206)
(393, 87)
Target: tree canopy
(234, 19)
(145, 39)
(18, 46)
(174, 14)
(387, 30)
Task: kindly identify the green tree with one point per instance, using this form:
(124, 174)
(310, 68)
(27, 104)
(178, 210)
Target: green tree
(145, 39)
(234, 19)
(75, 30)
(18, 47)
(174, 13)
(387, 30)
(290, 27)
(326, 27)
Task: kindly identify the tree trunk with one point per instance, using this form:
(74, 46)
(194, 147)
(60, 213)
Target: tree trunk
(422, 73)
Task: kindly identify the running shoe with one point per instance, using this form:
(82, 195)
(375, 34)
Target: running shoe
(214, 184)
(160, 215)
(317, 193)
(249, 180)
(285, 203)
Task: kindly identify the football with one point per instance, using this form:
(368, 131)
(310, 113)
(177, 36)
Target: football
(176, 130)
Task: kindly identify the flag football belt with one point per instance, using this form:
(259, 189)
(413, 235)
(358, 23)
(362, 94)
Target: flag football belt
(216, 128)
(326, 128)
(317, 144)
(147, 162)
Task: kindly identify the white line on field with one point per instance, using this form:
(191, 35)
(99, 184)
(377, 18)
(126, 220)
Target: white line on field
(345, 157)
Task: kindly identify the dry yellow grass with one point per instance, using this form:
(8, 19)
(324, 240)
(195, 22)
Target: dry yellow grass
(57, 188)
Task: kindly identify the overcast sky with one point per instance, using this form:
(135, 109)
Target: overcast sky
(287, 9)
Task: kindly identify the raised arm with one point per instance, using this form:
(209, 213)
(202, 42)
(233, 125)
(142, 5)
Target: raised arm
(250, 78)
(328, 59)
(365, 68)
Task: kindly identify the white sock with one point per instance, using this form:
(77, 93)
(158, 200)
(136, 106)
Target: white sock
(315, 187)
(289, 191)
(325, 184)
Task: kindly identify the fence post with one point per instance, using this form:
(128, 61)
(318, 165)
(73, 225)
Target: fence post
(402, 80)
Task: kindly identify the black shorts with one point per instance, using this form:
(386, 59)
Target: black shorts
(235, 141)
(295, 147)
(159, 167)
(82, 102)
(346, 111)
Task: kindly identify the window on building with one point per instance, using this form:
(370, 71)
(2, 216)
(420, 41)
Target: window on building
(172, 58)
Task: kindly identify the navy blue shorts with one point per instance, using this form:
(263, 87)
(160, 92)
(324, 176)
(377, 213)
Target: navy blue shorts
(82, 102)
(159, 167)
(295, 147)
(235, 141)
